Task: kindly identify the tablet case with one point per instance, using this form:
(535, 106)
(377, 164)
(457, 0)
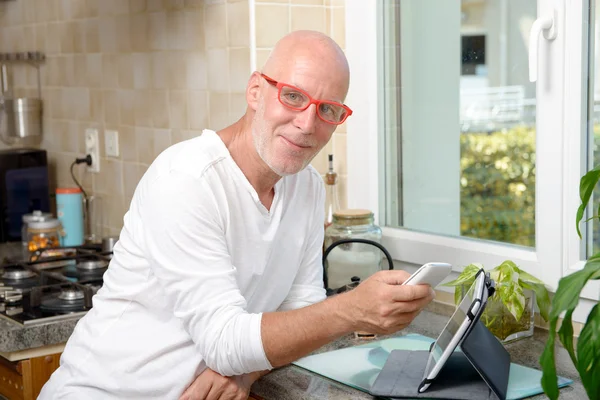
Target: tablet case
(478, 371)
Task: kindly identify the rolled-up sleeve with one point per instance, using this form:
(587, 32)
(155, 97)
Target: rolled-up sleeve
(308, 287)
(184, 237)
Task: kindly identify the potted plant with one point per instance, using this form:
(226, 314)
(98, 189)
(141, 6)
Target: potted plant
(509, 313)
(586, 356)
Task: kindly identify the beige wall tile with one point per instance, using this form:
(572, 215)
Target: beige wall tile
(137, 6)
(218, 114)
(320, 162)
(237, 106)
(239, 69)
(339, 153)
(139, 32)
(272, 23)
(92, 35)
(179, 135)
(162, 140)
(142, 70)
(195, 24)
(110, 71)
(158, 71)
(94, 75)
(338, 26)
(111, 104)
(125, 71)
(312, 18)
(261, 58)
(178, 109)
(196, 71)
(145, 145)
(53, 32)
(218, 70)
(126, 107)
(177, 62)
(157, 31)
(96, 105)
(132, 174)
(128, 144)
(215, 17)
(308, 2)
(107, 27)
(197, 108)
(160, 109)
(143, 108)
(238, 24)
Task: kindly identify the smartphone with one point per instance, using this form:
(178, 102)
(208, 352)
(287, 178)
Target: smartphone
(432, 273)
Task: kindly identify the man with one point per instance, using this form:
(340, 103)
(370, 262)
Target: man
(217, 276)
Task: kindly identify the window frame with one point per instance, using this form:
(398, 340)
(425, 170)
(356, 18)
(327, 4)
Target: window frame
(558, 249)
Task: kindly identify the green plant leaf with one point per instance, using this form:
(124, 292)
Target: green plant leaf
(542, 297)
(586, 188)
(549, 377)
(511, 295)
(565, 300)
(527, 277)
(466, 277)
(565, 334)
(569, 288)
(505, 272)
(588, 349)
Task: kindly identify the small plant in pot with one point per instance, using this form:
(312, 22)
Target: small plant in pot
(509, 313)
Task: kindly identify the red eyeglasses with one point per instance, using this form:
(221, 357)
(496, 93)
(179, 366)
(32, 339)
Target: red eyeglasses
(298, 100)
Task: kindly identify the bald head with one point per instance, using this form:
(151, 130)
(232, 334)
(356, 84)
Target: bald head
(306, 50)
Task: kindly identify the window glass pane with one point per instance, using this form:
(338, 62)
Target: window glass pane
(460, 118)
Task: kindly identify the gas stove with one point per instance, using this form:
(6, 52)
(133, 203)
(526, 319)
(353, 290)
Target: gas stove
(55, 284)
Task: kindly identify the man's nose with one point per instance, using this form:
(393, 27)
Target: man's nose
(306, 120)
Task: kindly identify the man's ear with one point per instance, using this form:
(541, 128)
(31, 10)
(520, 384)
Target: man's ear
(253, 90)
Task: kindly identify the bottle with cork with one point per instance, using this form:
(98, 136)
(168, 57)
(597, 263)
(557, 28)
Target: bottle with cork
(332, 203)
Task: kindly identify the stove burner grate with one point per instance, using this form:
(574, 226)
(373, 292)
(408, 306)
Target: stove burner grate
(17, 274)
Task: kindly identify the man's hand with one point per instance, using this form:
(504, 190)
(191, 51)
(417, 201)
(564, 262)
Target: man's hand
(381, 305)
(210, 385)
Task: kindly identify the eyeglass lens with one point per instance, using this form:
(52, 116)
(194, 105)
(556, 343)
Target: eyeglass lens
(294, 99)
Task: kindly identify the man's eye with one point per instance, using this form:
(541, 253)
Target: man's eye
(294, 96)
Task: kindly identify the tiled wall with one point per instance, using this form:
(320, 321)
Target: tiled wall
(157, 71)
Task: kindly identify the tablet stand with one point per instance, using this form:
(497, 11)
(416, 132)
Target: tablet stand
(477, 370)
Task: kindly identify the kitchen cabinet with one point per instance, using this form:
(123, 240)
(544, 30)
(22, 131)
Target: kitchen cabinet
(24, 379)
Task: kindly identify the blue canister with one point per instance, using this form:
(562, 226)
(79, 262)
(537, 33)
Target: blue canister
(69, 210)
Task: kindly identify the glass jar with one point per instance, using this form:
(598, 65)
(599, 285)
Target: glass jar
(352, 259)
(35, 216)
(43, 234)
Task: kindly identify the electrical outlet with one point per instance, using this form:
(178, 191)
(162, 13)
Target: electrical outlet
(111, 143)
(92, 147)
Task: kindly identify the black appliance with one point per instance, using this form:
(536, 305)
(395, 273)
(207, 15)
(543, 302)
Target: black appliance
(58, 285)
(24, 188)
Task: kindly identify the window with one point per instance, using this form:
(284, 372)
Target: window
(463, 158)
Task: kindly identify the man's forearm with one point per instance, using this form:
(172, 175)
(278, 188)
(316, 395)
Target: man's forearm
(289, 335)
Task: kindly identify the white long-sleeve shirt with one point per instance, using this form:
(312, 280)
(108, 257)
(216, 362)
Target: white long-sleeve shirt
(198, 261)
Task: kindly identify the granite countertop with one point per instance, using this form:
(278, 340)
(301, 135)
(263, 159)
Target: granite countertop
(295, 383)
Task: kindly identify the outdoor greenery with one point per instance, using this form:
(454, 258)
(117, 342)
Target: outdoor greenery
(498, 185)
